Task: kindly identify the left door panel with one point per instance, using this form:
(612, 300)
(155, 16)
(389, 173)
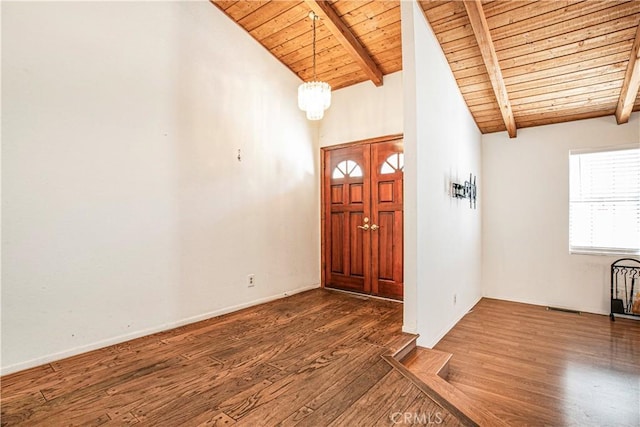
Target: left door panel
(347, 198)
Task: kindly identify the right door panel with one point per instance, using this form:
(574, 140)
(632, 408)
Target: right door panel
(387, 170)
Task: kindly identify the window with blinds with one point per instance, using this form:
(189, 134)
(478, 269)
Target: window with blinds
(604, 202)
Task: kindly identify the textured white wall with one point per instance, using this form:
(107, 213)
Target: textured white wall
(526, 215)
(124, 208)
(442, 143)
(364, 111)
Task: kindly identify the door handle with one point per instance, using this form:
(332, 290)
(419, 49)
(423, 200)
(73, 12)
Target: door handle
(364, 227)
(374, 227)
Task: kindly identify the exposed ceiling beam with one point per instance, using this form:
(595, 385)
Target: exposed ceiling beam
(346, 38)
(485, 42)
(630, 85)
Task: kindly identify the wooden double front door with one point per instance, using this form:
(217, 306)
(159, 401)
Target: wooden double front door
(362, 212)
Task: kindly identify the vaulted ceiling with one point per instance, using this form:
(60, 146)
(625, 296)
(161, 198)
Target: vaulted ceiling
(517, 63)
(285, 29)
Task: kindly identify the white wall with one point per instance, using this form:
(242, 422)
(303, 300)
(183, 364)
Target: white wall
(364, 111)
(526, 215)
(442, 143)
(125, 210)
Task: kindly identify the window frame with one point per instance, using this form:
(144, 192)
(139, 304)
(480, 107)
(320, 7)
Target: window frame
(592, 250)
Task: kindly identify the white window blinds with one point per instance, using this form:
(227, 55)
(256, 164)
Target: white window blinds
(604, 202)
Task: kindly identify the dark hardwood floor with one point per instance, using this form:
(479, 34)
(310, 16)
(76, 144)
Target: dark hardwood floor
(315, 359)
(533, 367)
(312, 359)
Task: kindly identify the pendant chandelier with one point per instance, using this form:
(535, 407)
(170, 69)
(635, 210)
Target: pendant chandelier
(314, 97)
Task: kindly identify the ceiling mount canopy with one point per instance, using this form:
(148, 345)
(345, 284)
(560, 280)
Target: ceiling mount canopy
(314, 97)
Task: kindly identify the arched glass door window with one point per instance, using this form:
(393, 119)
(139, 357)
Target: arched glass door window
(347, 168)
(394, 163)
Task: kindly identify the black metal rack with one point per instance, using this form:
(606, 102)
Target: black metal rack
(625, 287)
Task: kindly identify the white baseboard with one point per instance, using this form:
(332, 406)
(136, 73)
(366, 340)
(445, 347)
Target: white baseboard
(133, 335)
(583, 309)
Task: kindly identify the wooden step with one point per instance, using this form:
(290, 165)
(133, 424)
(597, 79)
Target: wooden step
(428, 370)
(402, 345)
(424, 362)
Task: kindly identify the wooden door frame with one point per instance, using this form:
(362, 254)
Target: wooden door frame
(323, 150)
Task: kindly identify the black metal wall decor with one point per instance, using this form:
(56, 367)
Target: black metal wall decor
(466, 191)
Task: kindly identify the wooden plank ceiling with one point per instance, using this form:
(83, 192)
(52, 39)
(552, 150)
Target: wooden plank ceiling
(517, 63)
(285, 29)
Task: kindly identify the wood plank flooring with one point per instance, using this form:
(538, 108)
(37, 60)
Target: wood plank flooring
(530, 366)
(312, 359)
(427, 369)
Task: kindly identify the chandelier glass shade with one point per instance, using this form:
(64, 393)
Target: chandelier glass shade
(314, 97)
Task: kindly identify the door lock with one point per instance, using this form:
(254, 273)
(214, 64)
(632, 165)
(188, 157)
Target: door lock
(365, 227)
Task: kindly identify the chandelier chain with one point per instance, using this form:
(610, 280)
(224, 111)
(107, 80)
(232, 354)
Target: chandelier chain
(315, 77)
